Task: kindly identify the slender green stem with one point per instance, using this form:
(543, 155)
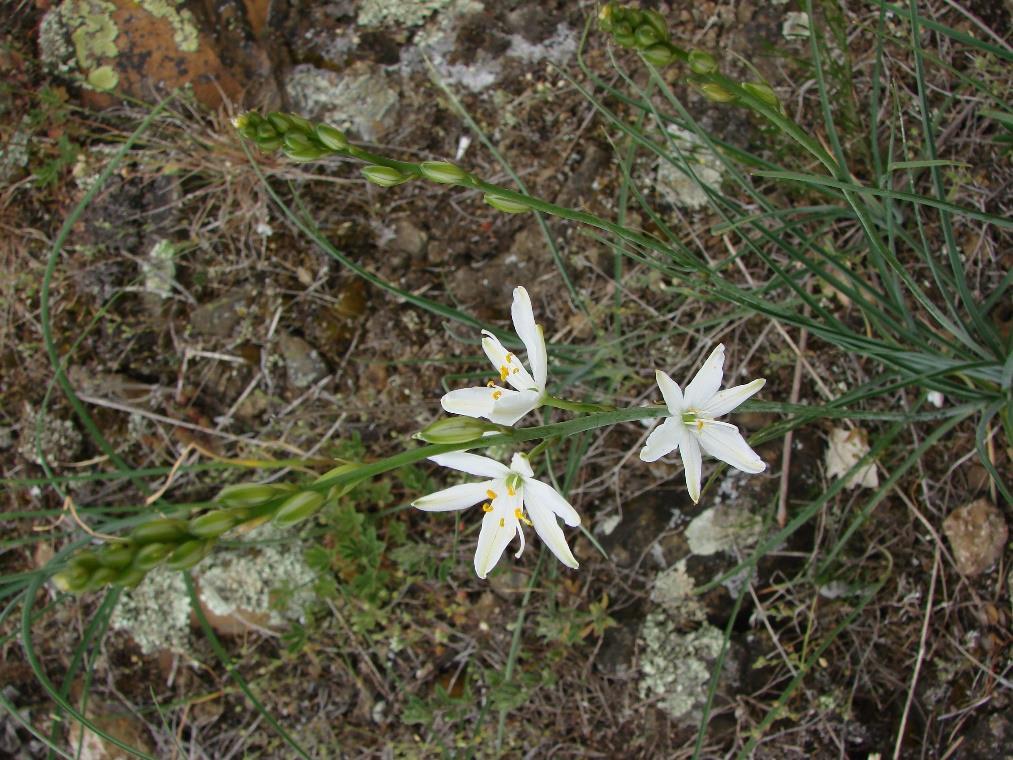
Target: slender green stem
(576, 406)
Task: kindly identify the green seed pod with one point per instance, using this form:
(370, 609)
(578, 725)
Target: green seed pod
(101, 577)
(763, 91)
(331, 138)
(150, 555)
(130, 577)
(248, 494)
(716, 92)
(658, 23)
(161, 530)
(384, 176)
(188, 554)
(443, 172)
(298, 507)
(646, 35)
(116, 556)
(659, 55)
(211, 524)
(701, 62)
(456, 430)
(509, 205)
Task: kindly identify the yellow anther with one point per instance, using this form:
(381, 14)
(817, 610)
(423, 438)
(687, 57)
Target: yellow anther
(492, 495)
(491, 384)
(509, 358)
(699, 424)
(516, 370)
(520, 516)
(503, 372)
(487, 507)
(510, 490)
(502, 522)
(496, 395)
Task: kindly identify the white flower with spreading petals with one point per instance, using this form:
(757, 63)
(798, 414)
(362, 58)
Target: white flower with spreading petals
(496, 403)
(505, 497)
(692, 425)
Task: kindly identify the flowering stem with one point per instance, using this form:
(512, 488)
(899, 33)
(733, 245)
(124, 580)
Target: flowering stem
(576, 406)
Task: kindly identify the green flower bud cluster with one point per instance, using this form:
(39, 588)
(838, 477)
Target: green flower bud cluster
(297, 138)
(179, 544)
(646, 31)
(457, 430)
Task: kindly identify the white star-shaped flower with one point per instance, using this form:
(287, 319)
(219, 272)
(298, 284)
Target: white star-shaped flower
(494, 402)
(692, 426)
(505, 498)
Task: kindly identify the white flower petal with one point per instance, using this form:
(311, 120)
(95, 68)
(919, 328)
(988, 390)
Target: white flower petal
(725, 401)
(530, 335)
(519, 463)
(664, 439)
(707, 380)
(455, 497)
(512, 405)
(544, 521)
(498, 529)
(723, 441)
(691, 462)
(671, 392)
(473, 464)
(539, 495)
(506, 363)
(471, 402)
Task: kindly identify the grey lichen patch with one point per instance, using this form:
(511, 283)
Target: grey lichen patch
(184, 30)
(156, 614)
(397, 13)
(265, 579)
(676, 666)
(159, 269)
(723, 528)
(696, 167)
(77, 35)
(673, 592)
(359, 100)
(14, 156)
(57, 439)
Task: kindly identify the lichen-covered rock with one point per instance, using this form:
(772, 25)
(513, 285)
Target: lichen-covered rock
(683, 184)
(360, 100)
(977, 534)
(397, 13)
(723, 528)
(57, 439)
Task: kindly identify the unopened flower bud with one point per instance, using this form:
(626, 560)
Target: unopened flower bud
(657, 21)
(509, 205)
(384, 176)
(646, 35)
(443, 172)
(101, 577)
(116, 556)
(130, 577)
(188, 554)
(163, 530)
(211, 524)
(659, 55)
(606, 17)
(764, 92)
(298, 507)
(150, 555)
(716, 92)
(332, 138)
(702, 62)
(280, 121)
(456, 430)
(249, 494)
(72, 579)
(299, 148)
(264, 131)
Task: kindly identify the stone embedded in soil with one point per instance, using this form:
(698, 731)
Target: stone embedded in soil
(57, 439)
(303, 363)
(724, 528)
(219, 317)
(977, 534)
(359, 100)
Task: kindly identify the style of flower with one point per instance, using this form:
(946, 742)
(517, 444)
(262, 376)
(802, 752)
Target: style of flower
(494, 402)
(693, 426)
(505, 497)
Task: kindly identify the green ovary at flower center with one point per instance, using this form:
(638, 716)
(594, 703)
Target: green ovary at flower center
(691, 418)
(513, 482)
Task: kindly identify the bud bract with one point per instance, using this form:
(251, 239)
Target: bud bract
(508, 205)
(384, 176)
(298, 507)
(702, 62)
(443, 172)
(456, 430)
(332, 138)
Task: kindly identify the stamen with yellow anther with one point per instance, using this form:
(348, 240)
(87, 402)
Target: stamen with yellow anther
(491, 384)
(510, 490)
(502, 522)
(487, 507)
(496, 395)
(492, 495)
(509, 358)
(520, 516)
(503, 372)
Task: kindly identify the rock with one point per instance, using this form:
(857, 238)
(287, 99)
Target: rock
(397, 13)
(303, 363)
(977, 534)
(58, 439)
(115, 723)
(724, 528)
(675, 183)
(219, 318)
(360, 100)
(142, 49)
(408, 239)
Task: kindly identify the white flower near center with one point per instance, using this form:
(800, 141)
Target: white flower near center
(498, 404)
(505, 498)
(692, 426)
